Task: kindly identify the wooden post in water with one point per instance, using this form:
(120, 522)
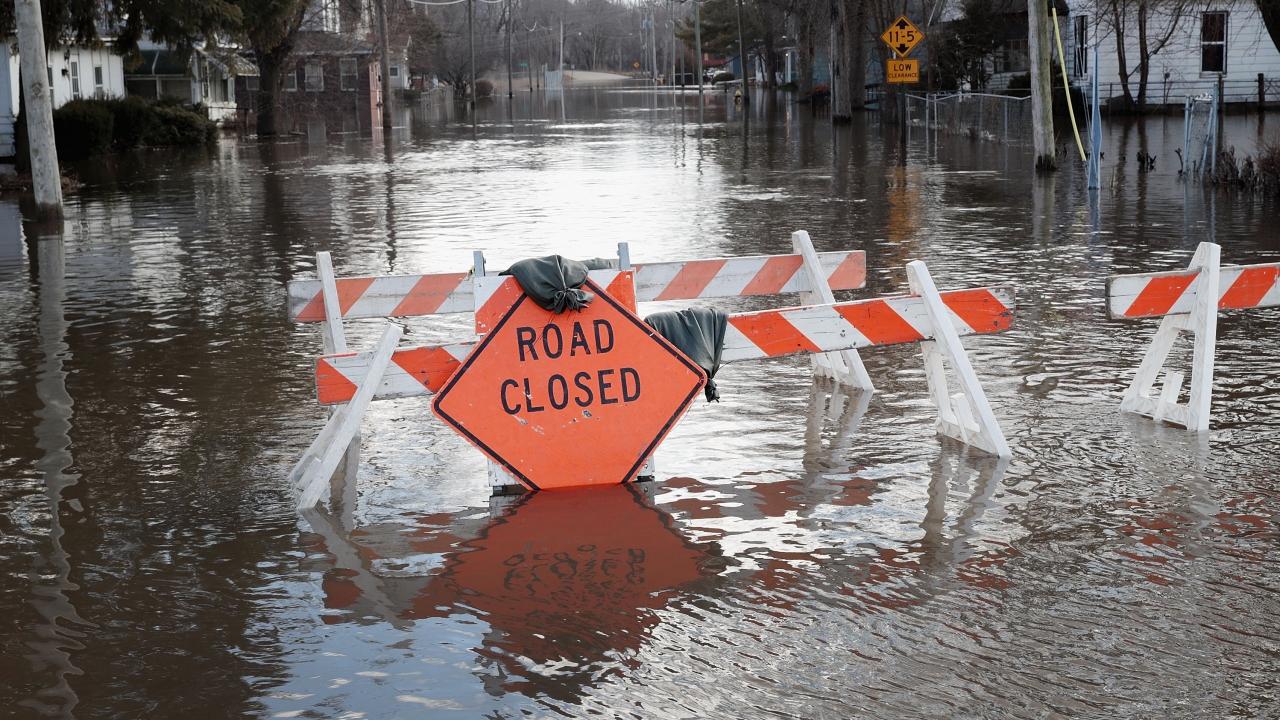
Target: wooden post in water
(386, 65)
(46, 180)
(1041, 84)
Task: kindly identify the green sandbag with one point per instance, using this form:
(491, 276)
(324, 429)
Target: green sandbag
(552, 282)
(699, 334)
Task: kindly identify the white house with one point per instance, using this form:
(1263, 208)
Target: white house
(204, 76)
(74, 72)
(1207, 41)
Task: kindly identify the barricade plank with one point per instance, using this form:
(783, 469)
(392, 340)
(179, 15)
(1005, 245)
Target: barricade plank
(758, 275)
(863, 323)
(1174, 293)
(750, 336)
(404, 295)
(413, 371)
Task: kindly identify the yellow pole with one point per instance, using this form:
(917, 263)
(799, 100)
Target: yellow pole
(1067, 85)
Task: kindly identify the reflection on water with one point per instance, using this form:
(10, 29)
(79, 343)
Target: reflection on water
(806, 551)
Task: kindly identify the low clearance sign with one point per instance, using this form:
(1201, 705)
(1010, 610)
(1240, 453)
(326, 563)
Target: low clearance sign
(580, 398)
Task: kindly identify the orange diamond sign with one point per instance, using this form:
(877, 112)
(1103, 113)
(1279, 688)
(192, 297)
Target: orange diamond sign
(902, 36)
(581, 398)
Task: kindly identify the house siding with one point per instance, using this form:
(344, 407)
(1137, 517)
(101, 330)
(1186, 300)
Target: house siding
(1250, 52)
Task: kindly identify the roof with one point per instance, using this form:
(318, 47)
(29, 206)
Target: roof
(322, 43)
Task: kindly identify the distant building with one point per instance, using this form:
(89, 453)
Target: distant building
(333, 78)
(74, 72)
(204, 76)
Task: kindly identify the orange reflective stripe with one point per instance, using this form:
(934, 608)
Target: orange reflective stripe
(773, 334)
(1248, 289)
(428, 293)
(331, 385)
(692, 279)
(776, 273)
(979, 309)
(1159, 295)
(852, 273)
(879, 322)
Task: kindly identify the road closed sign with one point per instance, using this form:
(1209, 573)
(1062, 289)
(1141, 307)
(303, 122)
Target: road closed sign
(899, 70)
(580, 398)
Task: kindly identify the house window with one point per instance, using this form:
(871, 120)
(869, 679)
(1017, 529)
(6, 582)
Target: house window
(315, 77)
(1213, 42)
(99, 85)
(75, 79)
(350, 74)
(1013, 56)
(251, 83)
(395, 71)
(291, 79)
(1082, 46)
(50, 78)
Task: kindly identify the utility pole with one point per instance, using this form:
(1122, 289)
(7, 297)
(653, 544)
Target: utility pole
(46, 180)
(653, 39)
(528, 51)
(560, 67)
(742, 55)
(697, 39)
(386, 66)
(471, 44)
(1041, 84)
(510, 92)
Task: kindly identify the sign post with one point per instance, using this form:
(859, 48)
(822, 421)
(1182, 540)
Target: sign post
(902, 37)
(580, 398)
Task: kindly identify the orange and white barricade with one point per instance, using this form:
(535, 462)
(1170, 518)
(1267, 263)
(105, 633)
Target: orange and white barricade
(1187, 301)
(935, 320)
(416, 371)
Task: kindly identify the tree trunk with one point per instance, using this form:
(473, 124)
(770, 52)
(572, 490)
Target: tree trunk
(1041, 84)
(1270, 10)
(841, 102)
(270, 67)
(1144, 54)
(804, 61)
(770, 63)
(1121, 59)
(856, 34)
(46, 179)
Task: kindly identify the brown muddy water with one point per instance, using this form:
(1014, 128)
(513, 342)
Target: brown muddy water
(804, 552)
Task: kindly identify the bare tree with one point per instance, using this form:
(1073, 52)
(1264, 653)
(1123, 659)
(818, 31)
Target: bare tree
(1156, 23)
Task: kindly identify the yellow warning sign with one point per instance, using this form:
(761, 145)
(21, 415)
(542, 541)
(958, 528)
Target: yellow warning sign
(899, 70)
(902, 36)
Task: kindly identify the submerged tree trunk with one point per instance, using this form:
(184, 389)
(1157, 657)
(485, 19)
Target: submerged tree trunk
(1041, 84)
(1121, 59)
(804, 60)
(1144, 56)
(271, 66)
(856, 33)
(841, 102)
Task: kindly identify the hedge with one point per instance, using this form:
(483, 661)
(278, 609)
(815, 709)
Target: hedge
(84, 128)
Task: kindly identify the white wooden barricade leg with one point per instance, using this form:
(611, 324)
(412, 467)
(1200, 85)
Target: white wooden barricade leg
(335, 340)
(322, 459)
(1203, 321)
(500, 480)
(650, 467)
(965, 416)
(844, 366)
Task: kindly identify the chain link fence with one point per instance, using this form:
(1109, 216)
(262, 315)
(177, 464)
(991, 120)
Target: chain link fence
(980, 116)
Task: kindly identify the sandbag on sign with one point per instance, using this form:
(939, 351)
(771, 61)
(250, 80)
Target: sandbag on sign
(699, 334)
(552, 282)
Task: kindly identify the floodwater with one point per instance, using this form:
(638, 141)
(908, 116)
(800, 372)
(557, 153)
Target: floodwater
(805, 552)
